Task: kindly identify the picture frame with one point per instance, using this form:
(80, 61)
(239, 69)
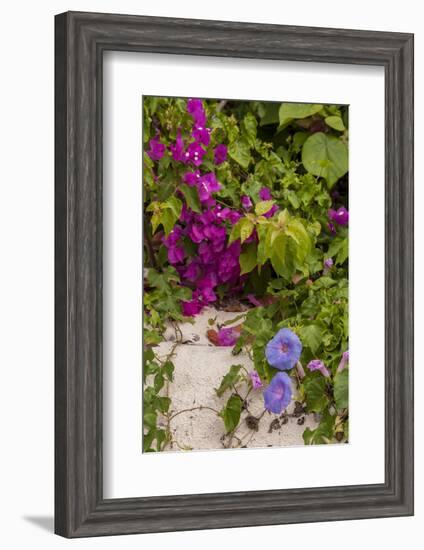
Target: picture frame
(80, 41)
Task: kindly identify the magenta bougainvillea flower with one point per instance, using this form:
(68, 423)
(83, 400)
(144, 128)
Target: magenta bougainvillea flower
(340, 216)
(193, 307)
(283, 351)
(331, 228)
(194, 153)
(265, 195)
(220, 154)
(278, 394)
(207, 185)
(227, 337)
(177, 148)
(316, 364)
(246, 202)
(197, 111)
(157, 149)
(175, 254)
(202, 135)
(344, 361)
(256, 380)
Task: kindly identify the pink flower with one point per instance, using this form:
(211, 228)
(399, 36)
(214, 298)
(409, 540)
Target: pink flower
(157, 149)
(246, 202)
(220, 154)
(197, 111)
(344, 360)
(340, 216)
(176, 254)
(227, 337)
(316, 364)
(177, 149)
(256, 380)
(193, 307)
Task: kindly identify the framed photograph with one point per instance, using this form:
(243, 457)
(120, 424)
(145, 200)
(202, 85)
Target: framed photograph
(234, 274)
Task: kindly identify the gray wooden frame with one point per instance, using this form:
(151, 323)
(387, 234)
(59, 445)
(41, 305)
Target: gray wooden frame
(80, 40)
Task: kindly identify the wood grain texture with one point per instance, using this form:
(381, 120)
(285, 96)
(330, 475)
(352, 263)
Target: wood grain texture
(81, 39)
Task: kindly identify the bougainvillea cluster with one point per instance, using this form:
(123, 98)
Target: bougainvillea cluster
(214, 262)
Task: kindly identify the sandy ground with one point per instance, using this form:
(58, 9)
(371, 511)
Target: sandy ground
(199, 368)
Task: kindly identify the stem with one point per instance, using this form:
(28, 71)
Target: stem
(300, 371)
(149, 245)
(199, 408)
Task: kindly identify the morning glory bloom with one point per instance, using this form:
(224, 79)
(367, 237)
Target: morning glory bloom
(344, 360)
(278, 394)
(255, 379)
(340, 216)
(283, 351)
(316, 364)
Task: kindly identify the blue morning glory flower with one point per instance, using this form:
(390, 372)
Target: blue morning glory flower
(283, 351)
(278, 394)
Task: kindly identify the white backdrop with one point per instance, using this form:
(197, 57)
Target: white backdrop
(26, 277)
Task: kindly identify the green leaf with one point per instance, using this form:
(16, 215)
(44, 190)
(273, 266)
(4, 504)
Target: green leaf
(341, 389)
(168, 369)
(191, 196)
(339, 248)
(289, 111)
(297, 231)
(316, 398)
(262, 207)
(343, 253)
(325, 157)
(175, 205)
(282, 256)
(231, 413)
(159, 382)
(163, 404)
(150, 419)
(246, 228)
(323, 433)
(336, 245)
(335, 122)
(248, 258)
(160, 438)
(250, 126)
(148, 440)
(228, 380)
(270, 113)
(240, 152)
(311, 336)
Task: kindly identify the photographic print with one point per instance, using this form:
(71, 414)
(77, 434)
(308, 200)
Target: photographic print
(245, 274)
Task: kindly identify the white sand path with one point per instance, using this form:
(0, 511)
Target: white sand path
(199, 368)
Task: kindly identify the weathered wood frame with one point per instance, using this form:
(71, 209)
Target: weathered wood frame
(81, 39)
